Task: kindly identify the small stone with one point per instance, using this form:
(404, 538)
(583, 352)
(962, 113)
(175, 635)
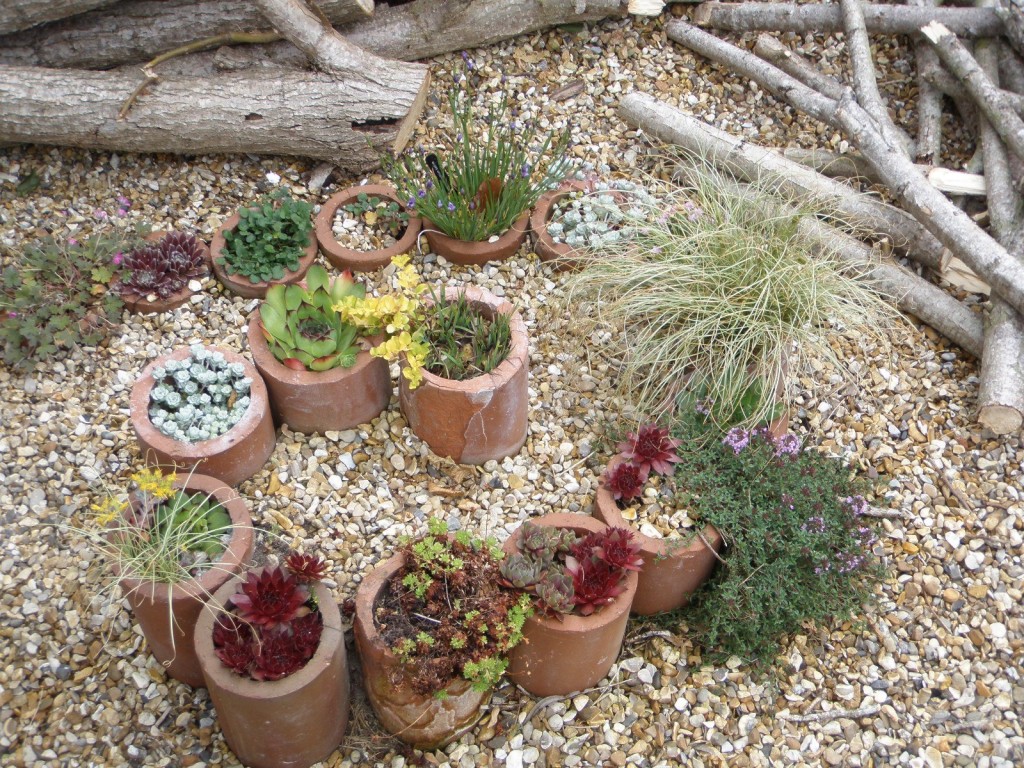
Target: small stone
(514, 759)
(950, 595)
(932, 585)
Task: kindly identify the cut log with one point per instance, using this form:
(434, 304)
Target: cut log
(832, 164)
(931, 208)
(139, 30)
(1001, 379)
(953, 88)
(23, 14)
(816, 17)
(751, 162)
(929, 100)
(962, 64)
(300, 113)
(646, 7)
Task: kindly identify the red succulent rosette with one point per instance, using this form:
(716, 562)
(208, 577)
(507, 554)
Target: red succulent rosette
(626, 480)
(651, 447)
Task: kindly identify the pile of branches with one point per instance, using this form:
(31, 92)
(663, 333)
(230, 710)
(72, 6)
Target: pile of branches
(325, 80)
(987, 86)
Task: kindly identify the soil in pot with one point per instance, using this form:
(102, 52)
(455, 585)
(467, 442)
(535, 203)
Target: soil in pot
(168, 614)
(559, 657)
(351, 239)
(232, 457)
(481, 418)
(467, 252)
(294, 721)
(421, 719)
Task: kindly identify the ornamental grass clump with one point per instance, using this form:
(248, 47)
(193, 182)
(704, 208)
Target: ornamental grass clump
(477, 183)
(269, 240)
(444, 615)
(303, 329)
(162, 269)
(798, 545)
(716, 289)
(272, 625)
(567, 573)
(200, 397)
(156, 534)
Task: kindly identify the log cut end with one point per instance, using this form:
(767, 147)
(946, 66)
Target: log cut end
(405, 128)
(1001, 419)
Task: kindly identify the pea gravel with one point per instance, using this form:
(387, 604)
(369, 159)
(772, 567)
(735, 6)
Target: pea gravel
(931, 675)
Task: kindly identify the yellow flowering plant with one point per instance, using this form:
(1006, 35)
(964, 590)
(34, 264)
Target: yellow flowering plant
(154, 532)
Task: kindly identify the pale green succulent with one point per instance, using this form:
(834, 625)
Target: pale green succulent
(301, 326)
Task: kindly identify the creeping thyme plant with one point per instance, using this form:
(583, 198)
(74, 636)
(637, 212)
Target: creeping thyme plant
(200, 397)
(485, 177)
(444, 614)
(155, 533)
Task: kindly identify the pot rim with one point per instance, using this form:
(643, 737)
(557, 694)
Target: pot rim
(180, 450)
(214, 668)
(350, 258)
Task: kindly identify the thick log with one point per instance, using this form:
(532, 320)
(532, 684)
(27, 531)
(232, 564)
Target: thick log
(931, 208)
(929, 100)
(883, 19)
(409, 32)
(23, 14)
(1001, 379)
(961, 63)
(307, 114)
(139, 30)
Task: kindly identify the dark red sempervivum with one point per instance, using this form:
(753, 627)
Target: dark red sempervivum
(232, 642)
(277, 656)
(626, 480)
(270, 598)
(162, 269)
(615, 546)
(595, 583)
(307, 569)
(651, 447)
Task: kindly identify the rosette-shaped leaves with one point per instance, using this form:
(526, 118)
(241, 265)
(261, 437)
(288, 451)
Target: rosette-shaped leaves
(521, 572)
(615, 546)
(276, 657)
(651, 449)
(301, 326)
(594, 583)
(162, 269)
(307, 569)
(626, 480)
(556, 593)
(270, 598)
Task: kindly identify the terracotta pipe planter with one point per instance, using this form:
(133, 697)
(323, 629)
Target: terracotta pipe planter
(168, 614)
(477, 252)
(543, 244)
(481, 418)
(233, 457)
(320, 401)
(557, 658)
(673, 568)
(349, 258)
(242, 285)
(426, 722)
(175, 300)
(295, 721)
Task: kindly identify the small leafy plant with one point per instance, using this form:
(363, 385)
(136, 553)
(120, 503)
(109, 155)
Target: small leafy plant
(444, 614)
(162, 269)
(54, 297)
(155, 533)
(384, 215)
(200, 397)
(598, 217)
(463, 342)
(567, 573)
(269, 240)
(798, 543)
(302, 327)
(272, 627)
(483, 179)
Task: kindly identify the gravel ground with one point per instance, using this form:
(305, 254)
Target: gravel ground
(929, 676)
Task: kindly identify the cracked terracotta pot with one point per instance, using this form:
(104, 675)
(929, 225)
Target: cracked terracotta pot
(295, 721)
(233, 457)
(427, 722)
(176, 299)
(320, 401)
(481, 418)
(477, 251)
(557, 658)
(168, 614)
(673, 568)
(242, 285)
(349, 258)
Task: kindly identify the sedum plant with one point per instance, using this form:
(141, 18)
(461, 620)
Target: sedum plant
(567, 573)
(597, 218)
(444, 614)
(161, 269)
(272, 627)
(200, 397)
(302, 327)
(269, 240)
(486, 176)
(718, 291)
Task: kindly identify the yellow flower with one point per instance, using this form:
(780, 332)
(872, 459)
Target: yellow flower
(108, 510)
(154, 483)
